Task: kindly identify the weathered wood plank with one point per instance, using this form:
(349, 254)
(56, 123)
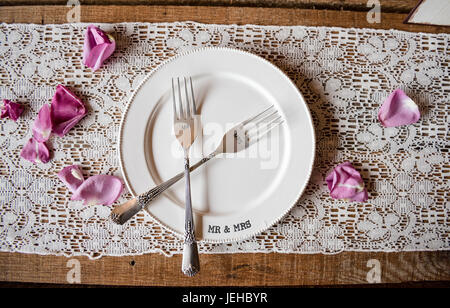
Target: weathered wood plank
(233, 269)
(393, 6)
(219, 15)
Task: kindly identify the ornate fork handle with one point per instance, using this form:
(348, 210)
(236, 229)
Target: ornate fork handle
(124, 212)
(190, 263)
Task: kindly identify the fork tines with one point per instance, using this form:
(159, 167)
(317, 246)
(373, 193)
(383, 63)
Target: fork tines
(189, 108)
(260, 124)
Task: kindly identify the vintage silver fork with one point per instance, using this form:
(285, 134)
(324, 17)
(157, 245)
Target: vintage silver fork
(186, 125)
(235, 140)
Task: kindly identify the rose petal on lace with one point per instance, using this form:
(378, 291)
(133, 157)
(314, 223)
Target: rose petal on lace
(398, 109)
(43, 125)
(345, 182)
(66, 110)
(99, 189)
(98, 46)
(72, 177)
(11, 110)
(35, 151)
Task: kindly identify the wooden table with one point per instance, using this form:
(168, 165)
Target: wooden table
(347, 268)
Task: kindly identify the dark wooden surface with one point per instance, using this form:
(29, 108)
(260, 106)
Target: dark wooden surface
(404, 269)
(409, 285)
(392, 6)
(51, 14)
(231, 269)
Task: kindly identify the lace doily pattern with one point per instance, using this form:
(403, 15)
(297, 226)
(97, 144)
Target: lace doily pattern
(344, 75)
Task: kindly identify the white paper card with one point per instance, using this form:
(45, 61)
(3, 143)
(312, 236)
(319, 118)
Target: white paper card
(432, 12)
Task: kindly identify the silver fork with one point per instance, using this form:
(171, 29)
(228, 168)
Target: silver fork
(235, 140)
(186, 128)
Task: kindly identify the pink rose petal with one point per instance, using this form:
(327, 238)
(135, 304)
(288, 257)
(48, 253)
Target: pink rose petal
(42, 127)
(11, 110)
(99, 189)
(72, 176)
(398, 109)
(66, 110)
(35, 151)
(345, 182)
(98, 46)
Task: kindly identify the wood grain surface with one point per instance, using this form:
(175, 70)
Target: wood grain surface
(221, 15)
(393, 6)
(233, 269)
(229, 269)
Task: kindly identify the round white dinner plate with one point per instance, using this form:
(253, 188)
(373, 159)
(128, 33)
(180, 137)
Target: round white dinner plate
(234, 196)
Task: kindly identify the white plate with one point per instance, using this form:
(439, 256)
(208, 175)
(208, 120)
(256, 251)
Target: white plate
(234, 197)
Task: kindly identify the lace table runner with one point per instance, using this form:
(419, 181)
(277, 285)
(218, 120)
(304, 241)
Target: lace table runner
(344, 75)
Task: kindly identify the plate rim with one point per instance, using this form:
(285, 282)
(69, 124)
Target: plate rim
(259, 58)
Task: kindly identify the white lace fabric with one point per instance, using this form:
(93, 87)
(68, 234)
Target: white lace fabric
(344, 76)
